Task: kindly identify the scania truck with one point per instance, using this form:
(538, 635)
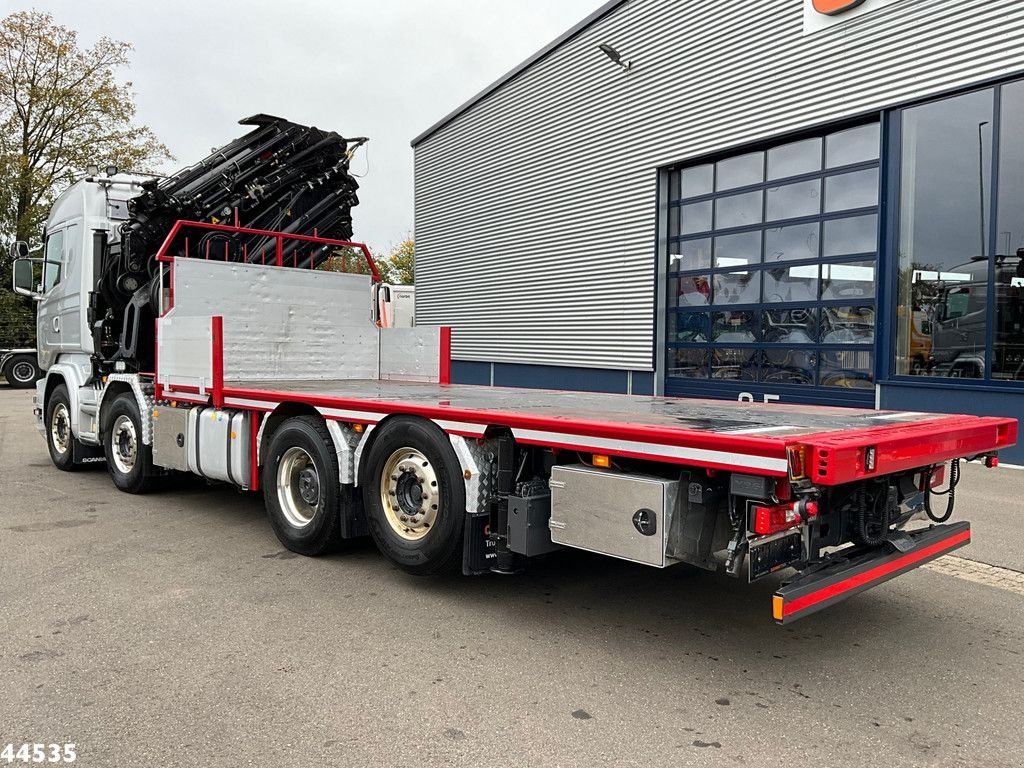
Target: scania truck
(187, 325)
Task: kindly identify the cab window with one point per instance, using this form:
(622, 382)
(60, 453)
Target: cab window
(54, 254)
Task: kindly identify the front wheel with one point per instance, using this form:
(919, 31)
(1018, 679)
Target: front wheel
(22, 371)
(59, 438)
(415, 496)
(129, 460)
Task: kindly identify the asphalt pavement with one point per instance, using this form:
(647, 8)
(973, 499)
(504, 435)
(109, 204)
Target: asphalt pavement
(174, 630)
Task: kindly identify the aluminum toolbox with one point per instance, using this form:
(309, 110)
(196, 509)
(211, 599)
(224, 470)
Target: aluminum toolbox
(170, 430)
(613, 513)
(219, 445)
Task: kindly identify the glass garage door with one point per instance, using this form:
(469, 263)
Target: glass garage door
(771, 272)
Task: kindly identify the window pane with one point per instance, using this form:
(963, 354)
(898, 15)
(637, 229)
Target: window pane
(697, 181)
(794, 200)
(54, 254)
(856, 145)
(788, 243)
(849, 369)
(847, 325)
(674, 190)
(688, 363)
(743, 287)
(1008, 352)
(734, 327)
(688, 326)
(740, 171)
(848, 281)
(738, 210)
(738, 250)
(692, 291)
(794, 159)
(791, 326)
(789, 366)
(791, 283)
(690, 254)
(851, 190)
(847, 236)
(696, 218)
(734, 364)
(944, 201)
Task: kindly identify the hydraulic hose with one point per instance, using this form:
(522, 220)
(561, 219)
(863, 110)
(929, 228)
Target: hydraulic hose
(863, 524)
(954, 479)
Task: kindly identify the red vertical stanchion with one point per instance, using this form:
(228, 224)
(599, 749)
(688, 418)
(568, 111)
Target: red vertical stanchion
(280, 252)
(158, 390)
(444, 375)
(217, 339)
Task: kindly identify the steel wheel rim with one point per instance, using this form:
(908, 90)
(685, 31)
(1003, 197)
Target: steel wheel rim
(60, 429)
(410, 494)
(23, 372)
(298, 487)
(125, 444)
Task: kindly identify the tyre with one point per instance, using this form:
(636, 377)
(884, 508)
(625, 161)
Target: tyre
(59, 439)
(129, 460)
(415, 497)
(301, 487)
(22, 371)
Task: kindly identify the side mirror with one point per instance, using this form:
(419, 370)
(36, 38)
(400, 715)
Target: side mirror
(19, 250)
(24, 277)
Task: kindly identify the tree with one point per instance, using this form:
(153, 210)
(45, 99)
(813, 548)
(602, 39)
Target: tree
(62, 107)
(399, 267)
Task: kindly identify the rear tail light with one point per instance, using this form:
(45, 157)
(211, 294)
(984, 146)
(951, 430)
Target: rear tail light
(769, 520)
(797, 455)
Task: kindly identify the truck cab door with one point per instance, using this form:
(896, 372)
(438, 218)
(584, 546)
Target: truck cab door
(71, 291)
(48, 338)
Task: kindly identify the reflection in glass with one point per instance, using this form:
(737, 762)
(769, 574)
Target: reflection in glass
(788, 243)
(734, 364)
(697, 181)
(789, 366)
(856, 145)
(849, 369)
(689, 363)
(851, 190)
(794, 159)
(794, 201)
(848, 281)
(946, 159)
(696, 218)
(740, 171)
(739, 287)
(738, 250)
(690, 254)
(734, 327)
(1008, 351)
(790, 326)
(738, 210)
(844, 237)
(688, 326)
(848, 325)
(791, 283)
(689, 291)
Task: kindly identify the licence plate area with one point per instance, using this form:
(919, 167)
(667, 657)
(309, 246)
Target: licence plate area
(774, 554)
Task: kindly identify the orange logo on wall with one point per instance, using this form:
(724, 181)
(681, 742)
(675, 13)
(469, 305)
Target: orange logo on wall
(834, 7)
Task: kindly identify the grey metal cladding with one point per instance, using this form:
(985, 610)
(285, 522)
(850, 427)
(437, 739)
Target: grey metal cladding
(536, 206)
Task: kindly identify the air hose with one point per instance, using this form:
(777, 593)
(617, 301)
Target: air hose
(954, 479)
(872, 540)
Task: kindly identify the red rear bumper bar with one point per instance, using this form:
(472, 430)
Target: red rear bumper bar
(851, 574)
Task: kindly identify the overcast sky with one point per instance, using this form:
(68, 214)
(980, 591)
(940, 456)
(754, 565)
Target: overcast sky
(387, 69)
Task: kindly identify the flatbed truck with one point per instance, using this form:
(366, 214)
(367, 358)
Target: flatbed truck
(260, 370)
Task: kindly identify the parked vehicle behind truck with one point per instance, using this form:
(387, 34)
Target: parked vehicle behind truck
(181, 344)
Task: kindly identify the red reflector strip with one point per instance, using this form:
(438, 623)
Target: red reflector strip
(878, 572)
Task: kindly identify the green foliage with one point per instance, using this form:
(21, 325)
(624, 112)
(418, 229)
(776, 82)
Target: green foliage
(62, 107)
(399, 267)
(350, 260)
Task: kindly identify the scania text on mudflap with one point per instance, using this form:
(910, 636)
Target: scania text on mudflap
(221, 322)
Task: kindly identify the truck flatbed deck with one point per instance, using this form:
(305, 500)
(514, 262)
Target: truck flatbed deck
(712, 433)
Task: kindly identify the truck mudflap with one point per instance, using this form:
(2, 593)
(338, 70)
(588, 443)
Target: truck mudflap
(845, 574)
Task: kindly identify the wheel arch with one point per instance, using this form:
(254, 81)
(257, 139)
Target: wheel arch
(120, 384)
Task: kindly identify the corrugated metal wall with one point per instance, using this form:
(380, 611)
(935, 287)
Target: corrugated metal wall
(535, 209)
